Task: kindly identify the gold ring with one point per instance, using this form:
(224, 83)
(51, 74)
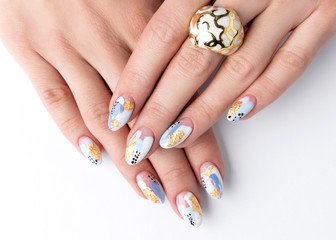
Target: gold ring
(217, 29)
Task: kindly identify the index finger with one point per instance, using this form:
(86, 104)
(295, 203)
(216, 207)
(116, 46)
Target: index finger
(161, 39)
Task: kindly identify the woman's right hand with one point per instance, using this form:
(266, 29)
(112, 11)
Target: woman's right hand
(73, 53)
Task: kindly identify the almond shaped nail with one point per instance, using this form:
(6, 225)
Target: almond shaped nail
(139, 145)
(176, 133)
(90, 150)
(189, 208)
(241, 108)
(121, 112)
(212, 180)
(150, 187)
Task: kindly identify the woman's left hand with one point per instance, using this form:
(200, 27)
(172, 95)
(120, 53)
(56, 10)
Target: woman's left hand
(251, 78)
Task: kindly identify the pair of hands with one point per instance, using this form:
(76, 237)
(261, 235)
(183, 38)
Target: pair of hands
(78, 52)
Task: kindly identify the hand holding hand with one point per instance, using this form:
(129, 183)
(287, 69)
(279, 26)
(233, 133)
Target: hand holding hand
(74, 54)
(250, 79)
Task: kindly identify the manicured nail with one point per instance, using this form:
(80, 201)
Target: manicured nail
(212, 180)
(90, 150)
(150, 187)
(121, 112)
(139, 145)
(189, 208)
(241, 108)
(176, 133)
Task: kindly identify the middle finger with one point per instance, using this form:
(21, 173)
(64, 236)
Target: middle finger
(188, 70)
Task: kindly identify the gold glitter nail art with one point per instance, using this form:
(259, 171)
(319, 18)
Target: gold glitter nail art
(151, 195)
(215, 193)
(94, 151)
(115, 123)
(195, 205)
(128, 105)
(130, 147)
(235, 107)
(208, 173)
(175, 138)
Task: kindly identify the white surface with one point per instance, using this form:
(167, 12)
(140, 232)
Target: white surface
(280, 173)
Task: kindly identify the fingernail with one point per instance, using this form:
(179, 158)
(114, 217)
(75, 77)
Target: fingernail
(90, 150)
(176, 133)
(139, 145)
(150, 187)
(121, 112)
(189, 208)
(212, 180)
(241, 108)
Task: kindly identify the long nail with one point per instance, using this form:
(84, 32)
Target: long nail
(139, 145)
(176, 133)
(90, 150)
(212, 180)
(241, 108)
(121, 112)
(150, 187)
(189, 208)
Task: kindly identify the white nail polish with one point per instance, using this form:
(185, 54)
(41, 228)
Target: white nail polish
(150, 187)
(90, 150)
(121, 112)
(176, 133)
(139, 145)
(189, 208)
(212, 180)
(241, 108)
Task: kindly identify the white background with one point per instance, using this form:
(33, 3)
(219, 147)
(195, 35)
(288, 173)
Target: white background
(280, 172)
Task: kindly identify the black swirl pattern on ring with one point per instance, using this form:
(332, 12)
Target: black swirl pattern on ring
(215, 41)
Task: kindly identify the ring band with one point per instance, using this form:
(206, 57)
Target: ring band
(217, 29)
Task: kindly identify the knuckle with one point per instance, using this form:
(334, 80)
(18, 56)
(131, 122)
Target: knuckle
(97, 114)
(193, 61)
(161, 31)
(57, 47)
(138, 21)
(174, 175)
(292, 60)
(69, 126)
(55, 96)
(134, 79)
(205, 110)
(240, 66)
(101, 28)
(159, 111)
(271, 87)
(14, 40)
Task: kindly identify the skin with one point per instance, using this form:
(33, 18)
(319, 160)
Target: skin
(74, 54)
(256, 69)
